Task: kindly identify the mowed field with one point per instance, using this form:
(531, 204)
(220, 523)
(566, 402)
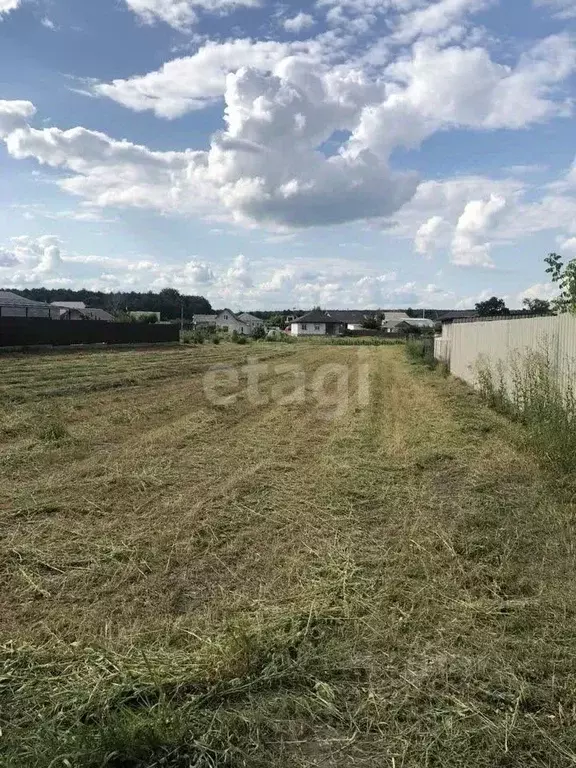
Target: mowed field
(367, 579)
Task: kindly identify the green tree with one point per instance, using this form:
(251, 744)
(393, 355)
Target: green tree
(259, 332)
(564, 275)
(493, 306)
(538, 306)
(372, 324)
(276, 321)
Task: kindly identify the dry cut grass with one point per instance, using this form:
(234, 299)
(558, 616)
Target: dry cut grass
(187, 584)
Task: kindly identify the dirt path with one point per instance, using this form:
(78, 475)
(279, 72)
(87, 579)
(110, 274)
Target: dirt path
(393, 585)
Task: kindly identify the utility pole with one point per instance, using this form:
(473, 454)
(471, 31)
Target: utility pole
(181, 315)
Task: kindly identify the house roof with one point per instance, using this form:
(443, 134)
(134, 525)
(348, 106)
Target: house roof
(69, 304)
(9, 299)
(349, 315)
(420, 322)
(317, 316)
(232, 314)
(97, 314)
(247, 317)
(395, 316)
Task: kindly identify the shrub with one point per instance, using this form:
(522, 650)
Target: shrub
(237, 338)
(259, 332)
(216, 340)
(194, 337)
(278, 336)
(421, 350)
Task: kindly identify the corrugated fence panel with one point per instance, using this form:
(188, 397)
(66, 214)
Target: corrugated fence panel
(498, 341)
(32, 331)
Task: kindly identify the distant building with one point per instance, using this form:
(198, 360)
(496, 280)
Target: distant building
(14, 305)
(353, 319)
(204, 321)
(77, 310)
(69, 304)
(391, 320)
(317, 323)
(229, 321)
(421, 322)
(250, 320)
(98, 314)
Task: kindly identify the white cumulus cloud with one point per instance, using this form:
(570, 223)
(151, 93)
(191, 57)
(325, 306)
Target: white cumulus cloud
(470, 245)
(545, 291)
(434, 89)
(26, 260)
(563, 9)
(13, 115)
(428, 234)
(298, 23)
(191, 82)
(435, 17)
(182, 14)
(9, 5)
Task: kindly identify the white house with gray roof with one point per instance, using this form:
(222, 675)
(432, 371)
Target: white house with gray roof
(228, 321)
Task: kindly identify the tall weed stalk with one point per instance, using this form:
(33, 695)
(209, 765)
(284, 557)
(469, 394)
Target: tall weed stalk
(531, 389)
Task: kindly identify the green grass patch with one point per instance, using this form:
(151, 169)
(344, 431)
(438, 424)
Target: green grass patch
(530, 389)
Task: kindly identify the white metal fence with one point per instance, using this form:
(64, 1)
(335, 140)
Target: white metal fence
(463, 345)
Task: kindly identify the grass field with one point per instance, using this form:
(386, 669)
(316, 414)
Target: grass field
(390, 583)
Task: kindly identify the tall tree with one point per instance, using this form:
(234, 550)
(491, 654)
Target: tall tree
(564, 275)
(168, 302)
(538, 306)
(493, 306)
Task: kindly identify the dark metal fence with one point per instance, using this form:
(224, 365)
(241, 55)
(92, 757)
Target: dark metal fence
(31, 310)
(32, 331)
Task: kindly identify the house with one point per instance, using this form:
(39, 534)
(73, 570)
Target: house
(391, 320)
(69, 304)
(77, 310)
(226, 321)
(13, 305)
(422, 323)
(98, 314)
(317, 323)
(415, 325)
(251, 320)
(331, 322)
(229, 322)
(204, 321)
(353, 319)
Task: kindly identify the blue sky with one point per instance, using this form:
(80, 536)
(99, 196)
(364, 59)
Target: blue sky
(346, 153)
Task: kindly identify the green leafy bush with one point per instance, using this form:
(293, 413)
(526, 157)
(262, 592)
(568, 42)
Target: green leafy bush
(259, 332)
(421, 350)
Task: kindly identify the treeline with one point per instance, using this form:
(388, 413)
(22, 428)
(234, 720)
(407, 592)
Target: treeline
(169, 302)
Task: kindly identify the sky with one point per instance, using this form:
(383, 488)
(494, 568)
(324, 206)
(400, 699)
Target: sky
(267, 155)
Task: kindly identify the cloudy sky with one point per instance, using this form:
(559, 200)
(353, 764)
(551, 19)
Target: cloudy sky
(345, 153)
